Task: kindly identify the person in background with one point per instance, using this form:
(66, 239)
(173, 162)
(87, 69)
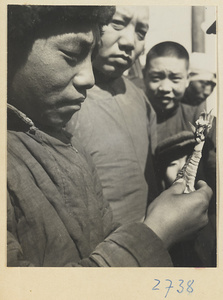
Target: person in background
(202, 80)
(166, 79)
(170, 156)
(117, 124)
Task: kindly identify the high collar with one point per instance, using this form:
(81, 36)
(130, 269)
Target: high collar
(101, 78)
(162, 117)
(18, 121)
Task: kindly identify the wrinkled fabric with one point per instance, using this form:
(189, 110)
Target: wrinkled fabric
(117, 126)
(178, 120)
(56, 214)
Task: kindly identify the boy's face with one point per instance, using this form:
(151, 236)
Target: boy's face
(166, 79)
(52, 83)
(123, 40)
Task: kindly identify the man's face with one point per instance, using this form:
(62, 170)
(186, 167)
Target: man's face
(166, 79)
(123, 40)
(52, 83)
(199, 90)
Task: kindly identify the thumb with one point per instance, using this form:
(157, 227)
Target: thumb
(178, 186)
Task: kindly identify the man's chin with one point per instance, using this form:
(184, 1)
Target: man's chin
(58, 123)
(169, 107)
(113, 71)
(165, 110)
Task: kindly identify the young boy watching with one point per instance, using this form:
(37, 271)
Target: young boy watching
(166, 79)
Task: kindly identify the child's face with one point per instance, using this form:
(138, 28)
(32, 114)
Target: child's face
(166, 79)
(123, 40)
(172, 169)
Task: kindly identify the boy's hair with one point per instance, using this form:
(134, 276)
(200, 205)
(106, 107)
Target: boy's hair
(26, 23)
(169, 49)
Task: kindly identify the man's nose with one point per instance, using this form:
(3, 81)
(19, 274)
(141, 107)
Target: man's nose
(127, 39)
(84, 77)
(165, 86)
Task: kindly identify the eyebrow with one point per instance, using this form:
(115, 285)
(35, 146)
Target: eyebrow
(85, 43)
(124, 15)
(155, 72)
(162, 71)
(127, 17)
(143, 25)
(86, 47)
(77, 41)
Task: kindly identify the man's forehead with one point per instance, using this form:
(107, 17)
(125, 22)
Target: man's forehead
(140, 13)
(75, 30)
(74, 38)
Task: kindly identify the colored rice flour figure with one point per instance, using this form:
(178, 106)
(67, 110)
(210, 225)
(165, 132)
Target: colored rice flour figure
(200, 130)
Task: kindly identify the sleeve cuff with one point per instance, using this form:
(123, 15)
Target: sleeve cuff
(132, 245)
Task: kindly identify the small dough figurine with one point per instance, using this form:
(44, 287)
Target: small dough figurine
(200, 130)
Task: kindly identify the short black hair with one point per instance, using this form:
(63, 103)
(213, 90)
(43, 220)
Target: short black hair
(167, 48)
(26, 23)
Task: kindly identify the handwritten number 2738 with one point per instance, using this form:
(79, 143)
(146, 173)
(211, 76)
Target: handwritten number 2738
(170, 286)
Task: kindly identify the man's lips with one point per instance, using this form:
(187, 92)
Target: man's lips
(121, 58)
(70, 102)
(165, 100)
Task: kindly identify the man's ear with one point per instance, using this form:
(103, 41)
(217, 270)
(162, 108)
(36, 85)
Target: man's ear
(163, 185)
(188, 79)
(143, 51)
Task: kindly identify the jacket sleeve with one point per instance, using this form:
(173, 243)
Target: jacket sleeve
(15, 256)
(132, 245)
